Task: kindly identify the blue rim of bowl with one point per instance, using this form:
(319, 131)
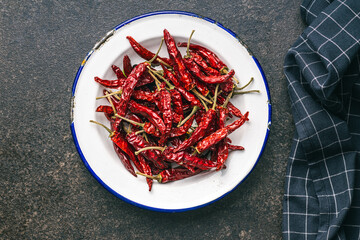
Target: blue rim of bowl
(72, 106)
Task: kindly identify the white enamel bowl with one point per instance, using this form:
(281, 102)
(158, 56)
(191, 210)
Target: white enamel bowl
(95, 148)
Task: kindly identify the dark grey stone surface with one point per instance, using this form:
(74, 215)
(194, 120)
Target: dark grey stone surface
(45, 190)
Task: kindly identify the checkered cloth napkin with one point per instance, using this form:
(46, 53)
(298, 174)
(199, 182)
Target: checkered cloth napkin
(322, 185)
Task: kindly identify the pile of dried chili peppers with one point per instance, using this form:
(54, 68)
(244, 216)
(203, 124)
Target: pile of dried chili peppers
(168, 115)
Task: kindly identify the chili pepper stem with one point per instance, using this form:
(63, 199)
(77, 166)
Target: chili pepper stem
(228, 99)
(130, 121)
(199, 95)
(188, 45)
(150, 148)
(241, 88)
(243, 92)
(140, 131)
(215, 96)
(225, 70)
(164, 79)
(203, 103)
(157, 53)
(157, 82)
(108, 129)
(195, 108)
(110, 94)
(112, 105)
(156, 177)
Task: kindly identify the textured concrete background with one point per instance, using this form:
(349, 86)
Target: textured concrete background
(45, 190)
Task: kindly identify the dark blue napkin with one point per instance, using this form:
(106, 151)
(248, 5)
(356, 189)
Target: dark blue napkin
(322, 185)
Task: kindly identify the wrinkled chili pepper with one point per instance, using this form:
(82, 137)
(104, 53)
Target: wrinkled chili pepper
(234, 147)
(203, 65)
(164, 99)
(222, 155)
(145, 53)
(220, 134)
(218, 79)
(143, 95)
(179, 65)
(117, 83)
(174, 174)
(210, 56)
(177, 102)
(127, 65)
(145, 169)
(199, 132)
(123, 150)
(129, 86)
(119, 74)
(146, 112)
(138, 142)
(176, 132)
(196, 71)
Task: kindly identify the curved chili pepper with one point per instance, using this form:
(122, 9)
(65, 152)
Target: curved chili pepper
(127, 65)
(146, 112)
(152, 155)
(164, 99)
(210, 56)
(144, 80)
(234, 147)
(218, 79)
(203, 65)
(179, 66)
(129, 86)
(145, 53)
(174, 174)
(199, 132)
(220, 134)
(118, 72)
(196, 71)
(222, 155)
(177, 103)
(117, 83)
(145, 169)
(107, 110)
(125, 160)
(176, 132)
(150, 128)
(144, 95)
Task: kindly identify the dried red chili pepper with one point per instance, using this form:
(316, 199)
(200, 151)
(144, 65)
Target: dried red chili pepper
(125, 153)
(146, 112)
(210, 56)
(144, 95)
(127, 65)
(234, 147)
(222, 155)
(164, 99)
(117, 83)
(218, 79)
(196, 71)
(199, 132)
(138, 142)
(179, 65)
(129, 86)
(220, 134)
(146, 169)
(119, 74)
(177, 103)
(107, 110)
(176, 132)
(145, 53)
(173, 174)
(203, 65)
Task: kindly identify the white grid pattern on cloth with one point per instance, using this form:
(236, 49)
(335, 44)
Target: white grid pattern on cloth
(322, 196)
